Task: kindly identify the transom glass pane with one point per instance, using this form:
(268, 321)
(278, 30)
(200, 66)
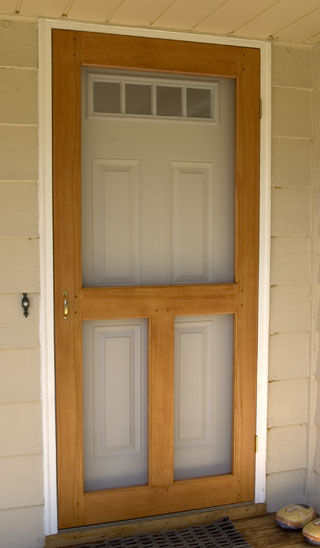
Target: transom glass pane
(106, 97)
(198, 103)
(138, 99)
(169, 101)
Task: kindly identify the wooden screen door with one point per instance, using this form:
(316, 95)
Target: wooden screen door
(159, 305)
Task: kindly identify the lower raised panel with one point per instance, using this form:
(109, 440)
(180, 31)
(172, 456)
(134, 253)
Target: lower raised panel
(203, 396)
(115, 403)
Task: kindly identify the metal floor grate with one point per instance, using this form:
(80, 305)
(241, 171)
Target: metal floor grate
(219, 534)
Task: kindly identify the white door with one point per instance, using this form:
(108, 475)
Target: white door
(157, 208)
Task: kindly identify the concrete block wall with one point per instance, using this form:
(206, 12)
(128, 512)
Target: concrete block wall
(21, 492)
(291, 275)
(314, 458)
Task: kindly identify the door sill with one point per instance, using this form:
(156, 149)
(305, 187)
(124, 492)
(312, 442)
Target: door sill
(98, 533)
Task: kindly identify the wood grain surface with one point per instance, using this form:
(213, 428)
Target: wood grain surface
(71, 51)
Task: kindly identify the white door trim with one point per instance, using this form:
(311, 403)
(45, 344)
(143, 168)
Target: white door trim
(46, 244)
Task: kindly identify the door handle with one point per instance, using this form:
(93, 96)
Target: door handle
(65, 305)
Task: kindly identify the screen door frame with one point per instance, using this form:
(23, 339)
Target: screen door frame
(77, 508)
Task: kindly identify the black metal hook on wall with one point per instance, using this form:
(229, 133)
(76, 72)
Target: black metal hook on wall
(25, 303)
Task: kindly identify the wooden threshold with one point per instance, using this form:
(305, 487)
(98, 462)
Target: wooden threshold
(74, 537)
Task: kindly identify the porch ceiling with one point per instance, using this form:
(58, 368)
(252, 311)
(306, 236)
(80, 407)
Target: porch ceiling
(286, 20)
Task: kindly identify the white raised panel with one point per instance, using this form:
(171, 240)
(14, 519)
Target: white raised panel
(115, 403)
(192, 222)
(117, 397)
(203, 396)
(192, 396)
(115, 245)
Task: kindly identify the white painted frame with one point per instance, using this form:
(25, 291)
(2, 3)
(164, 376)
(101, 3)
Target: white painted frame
(46, 244)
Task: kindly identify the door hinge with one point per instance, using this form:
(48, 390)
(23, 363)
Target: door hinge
(256, 444)
(260, 114)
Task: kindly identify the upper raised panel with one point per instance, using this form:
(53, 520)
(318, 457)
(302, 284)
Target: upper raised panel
(115, 247)
(192, 222)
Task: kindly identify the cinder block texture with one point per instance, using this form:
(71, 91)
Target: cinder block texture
(291, 112)
(21, 477)
(20, 427)
(21, 481)
(22, 528)
(291, 212)
(287, 448)
(286, 488)
(20, 375)
(315, 491)
(19, 210)
(290, 308)
(292, 66)
(316, 65)
(19, 266)
(18, 153)
(16, 331)
(291, 162)
(288, 402)
(291, 274)
(290, 260)
(19, 44)
(316, 121)
(313, 409)
(316, 460)
(315, 386)
(18, 96)
(289, 356)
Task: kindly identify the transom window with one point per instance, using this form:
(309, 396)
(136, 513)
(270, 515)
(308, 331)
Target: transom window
(114, 95)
